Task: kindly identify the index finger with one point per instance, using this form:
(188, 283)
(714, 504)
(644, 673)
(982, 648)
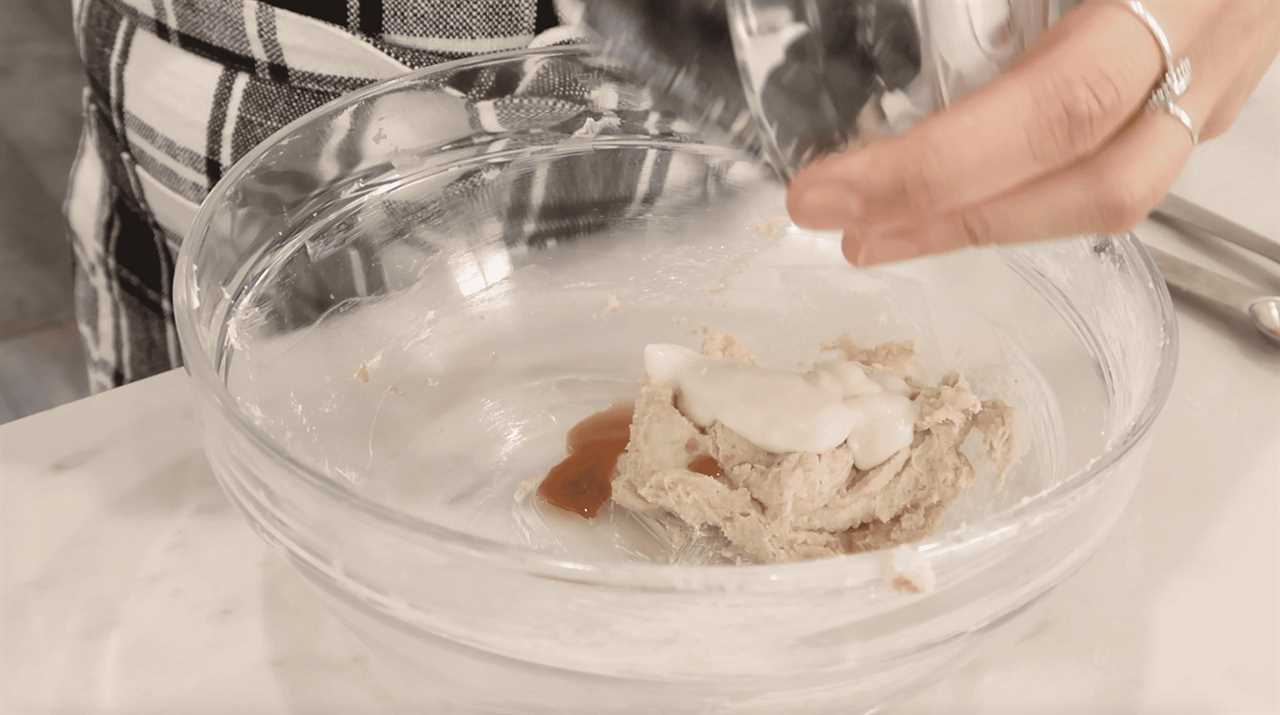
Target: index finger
(1080, 84)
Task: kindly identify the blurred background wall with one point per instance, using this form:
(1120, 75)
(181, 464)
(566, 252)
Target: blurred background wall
(41, 364)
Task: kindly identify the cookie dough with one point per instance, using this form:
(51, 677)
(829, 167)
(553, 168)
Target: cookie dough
(769, 506)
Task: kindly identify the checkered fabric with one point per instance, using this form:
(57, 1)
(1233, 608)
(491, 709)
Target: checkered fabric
(178, 90)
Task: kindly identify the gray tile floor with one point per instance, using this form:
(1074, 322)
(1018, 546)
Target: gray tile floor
(41, 364)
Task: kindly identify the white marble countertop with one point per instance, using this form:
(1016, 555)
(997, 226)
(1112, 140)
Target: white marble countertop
(129, 585)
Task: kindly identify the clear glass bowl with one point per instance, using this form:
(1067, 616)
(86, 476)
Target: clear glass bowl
(389, 342)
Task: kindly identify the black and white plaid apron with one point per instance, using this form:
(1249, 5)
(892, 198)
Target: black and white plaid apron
(178, 90)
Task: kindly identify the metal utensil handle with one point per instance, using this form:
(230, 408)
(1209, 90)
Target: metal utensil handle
(1179, 209)
(1202, 282)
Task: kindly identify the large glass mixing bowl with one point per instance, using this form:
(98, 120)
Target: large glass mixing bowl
(395, 308)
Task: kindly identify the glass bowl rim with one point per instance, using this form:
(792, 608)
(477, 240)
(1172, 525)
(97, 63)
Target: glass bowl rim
(823, 574)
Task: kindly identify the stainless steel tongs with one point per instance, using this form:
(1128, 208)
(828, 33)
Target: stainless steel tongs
(1225, 293)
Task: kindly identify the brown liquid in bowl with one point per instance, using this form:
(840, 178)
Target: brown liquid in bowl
(705, 464)
(582, 482)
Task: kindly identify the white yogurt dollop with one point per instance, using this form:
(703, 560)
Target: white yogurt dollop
(783, 411)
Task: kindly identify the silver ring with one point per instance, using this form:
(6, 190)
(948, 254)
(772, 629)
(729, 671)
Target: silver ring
(1177, 72)
(1173, 109)
(1165, 98)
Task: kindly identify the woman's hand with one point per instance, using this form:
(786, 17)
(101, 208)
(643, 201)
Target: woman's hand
(1059, 145)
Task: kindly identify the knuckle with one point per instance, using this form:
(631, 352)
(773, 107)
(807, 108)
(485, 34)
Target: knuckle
(922, 178)
(1122, 201)
(976, 227)
(1215, 127)
(1076, 110)
(1222, 118)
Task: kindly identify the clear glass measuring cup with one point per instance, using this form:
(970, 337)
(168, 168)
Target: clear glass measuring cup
(791, 80)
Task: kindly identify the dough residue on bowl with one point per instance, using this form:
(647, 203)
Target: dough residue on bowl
(762, 506)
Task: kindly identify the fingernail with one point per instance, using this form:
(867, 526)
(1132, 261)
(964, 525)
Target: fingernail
(826, 208)
(886, 250)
